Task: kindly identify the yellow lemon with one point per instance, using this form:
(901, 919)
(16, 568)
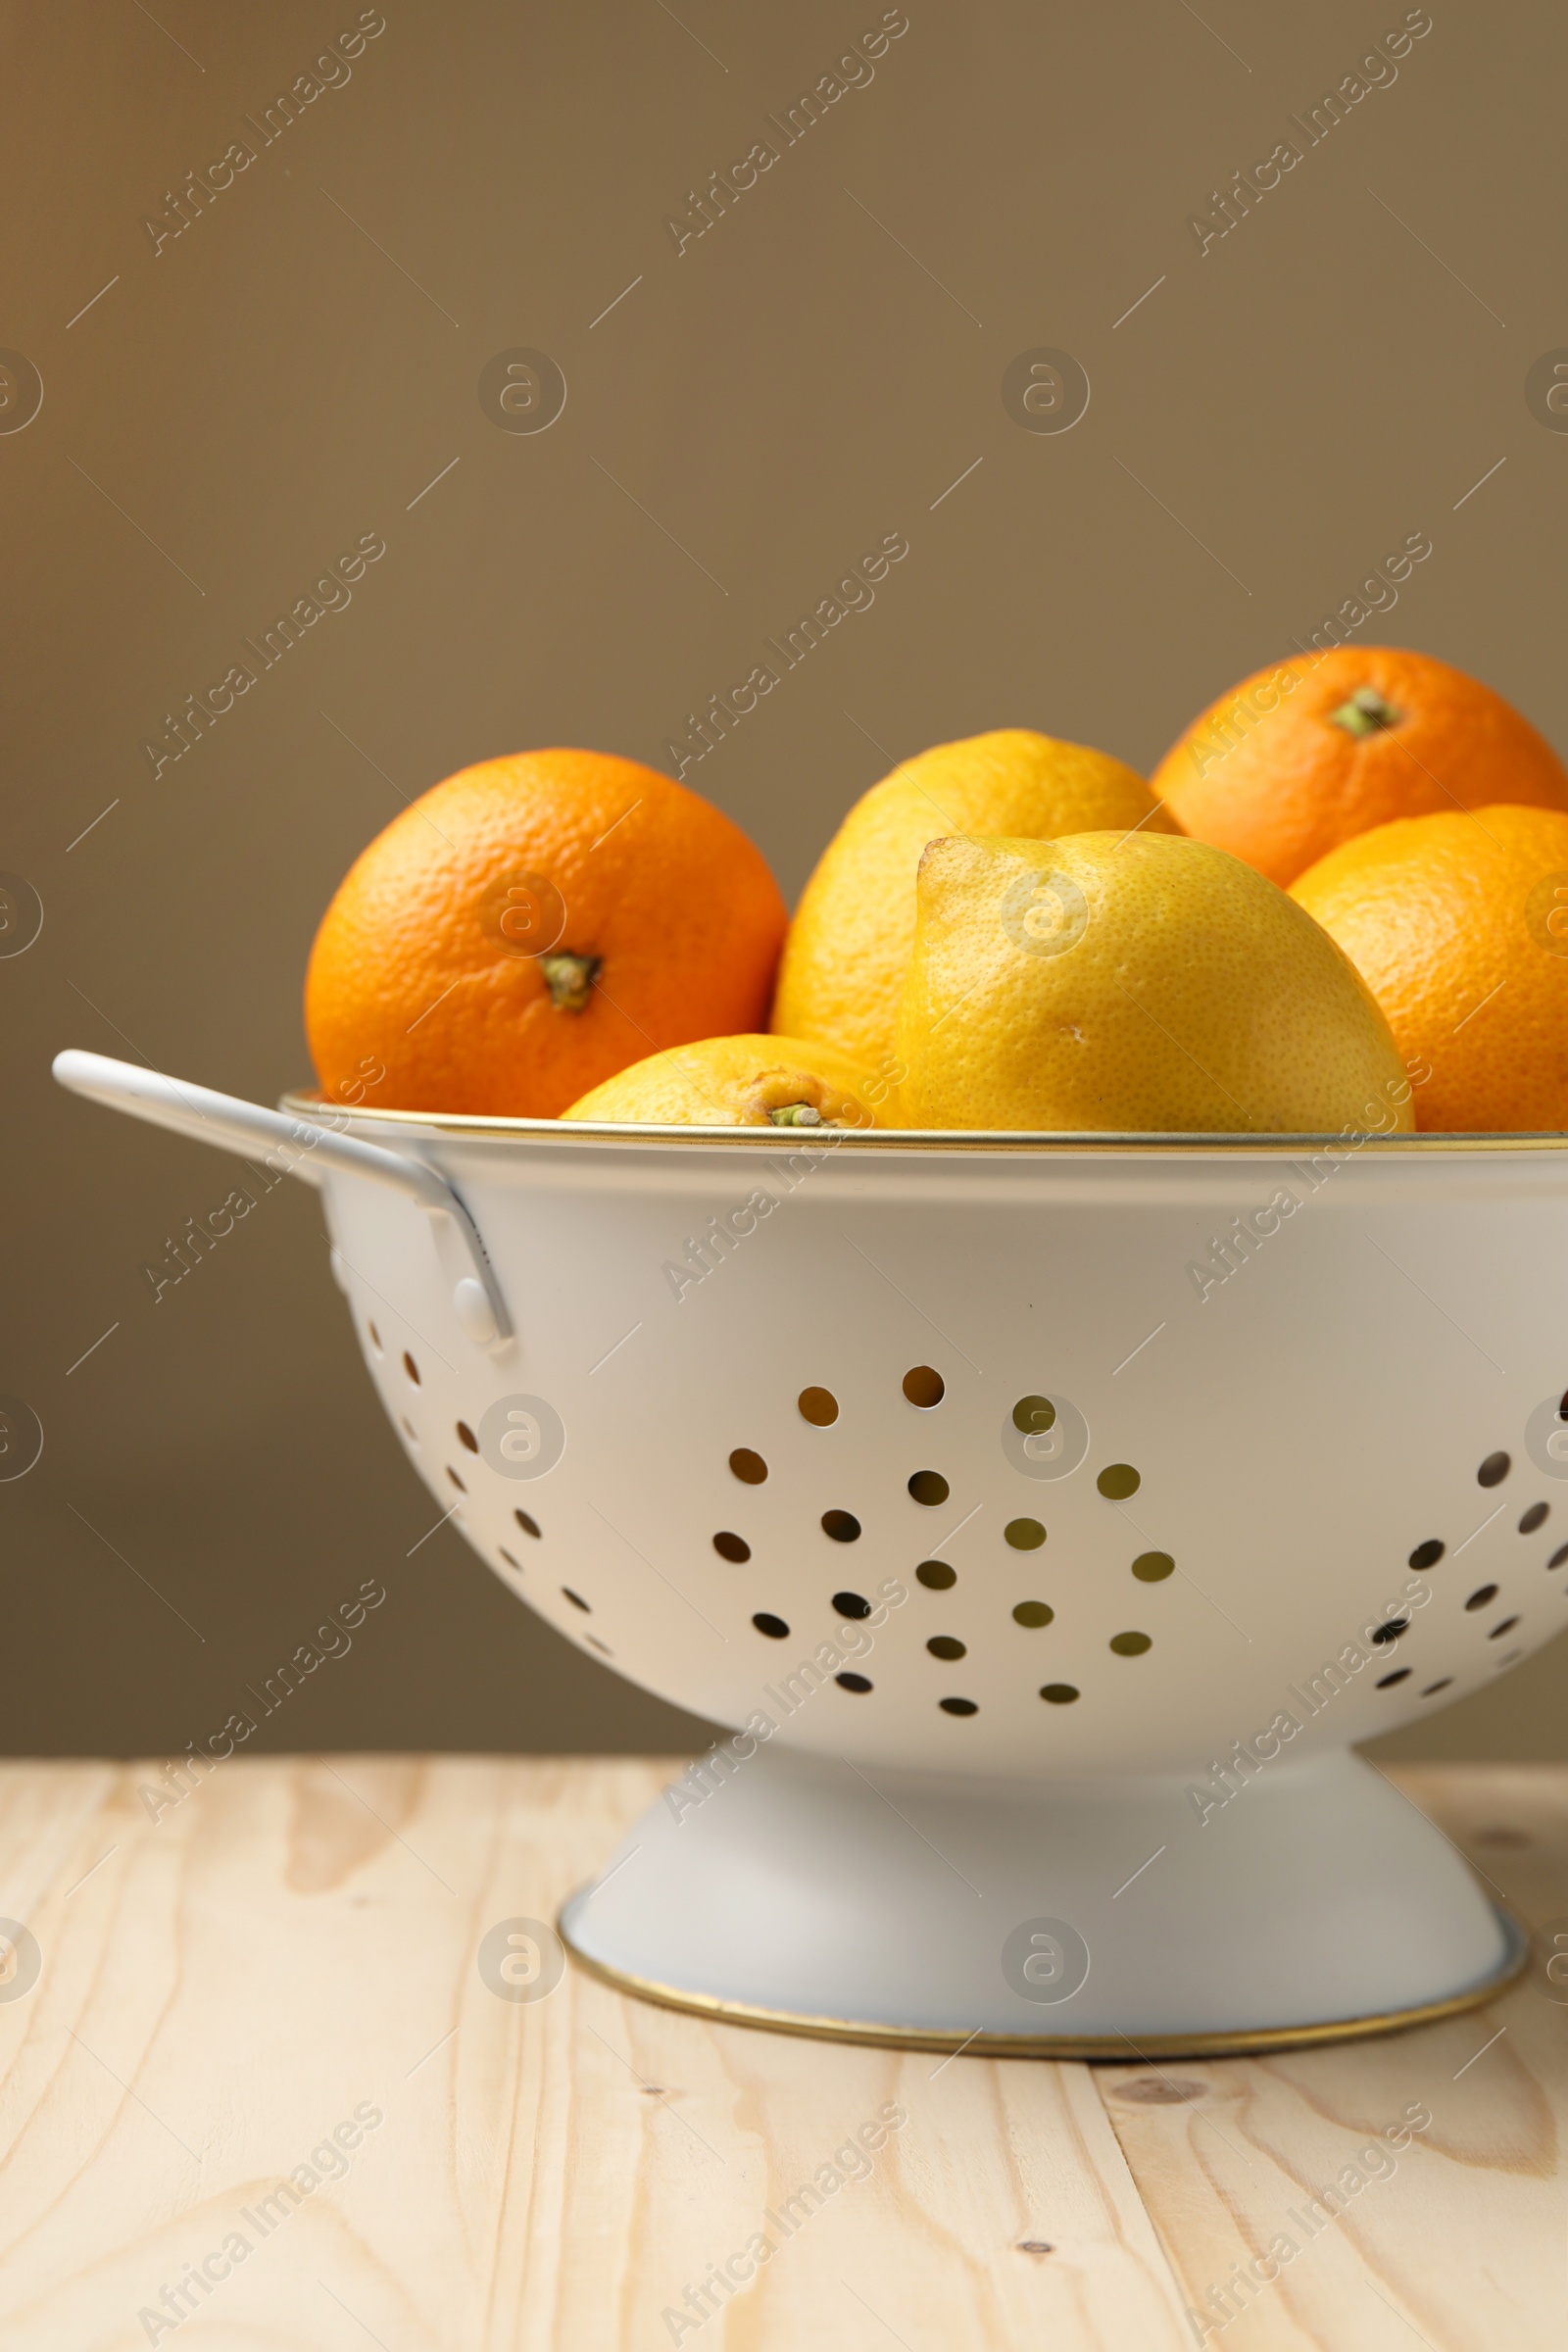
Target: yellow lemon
(740, 1082)
(849, 944)
(1147, 984)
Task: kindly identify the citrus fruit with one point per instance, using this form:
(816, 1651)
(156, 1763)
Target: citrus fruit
(1459, 927)
(849, 943)
(532, 926)
(1142, 984)
(740, 1082)
(1301, 757)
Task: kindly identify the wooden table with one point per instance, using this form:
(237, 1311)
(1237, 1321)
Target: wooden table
(285, 1963)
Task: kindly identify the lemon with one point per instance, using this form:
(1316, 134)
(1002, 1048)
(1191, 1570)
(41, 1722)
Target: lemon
(849, 944)
(1142, 984)
(739, 1082)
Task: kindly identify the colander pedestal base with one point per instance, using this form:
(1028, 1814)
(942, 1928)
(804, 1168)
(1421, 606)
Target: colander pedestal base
(1095, 1919)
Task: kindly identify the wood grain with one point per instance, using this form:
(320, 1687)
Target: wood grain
(1464, 2243)
(296, 1940)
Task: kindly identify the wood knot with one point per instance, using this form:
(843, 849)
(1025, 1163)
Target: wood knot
(1163, 2091)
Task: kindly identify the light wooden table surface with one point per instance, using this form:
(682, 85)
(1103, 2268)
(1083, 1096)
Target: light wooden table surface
(294, 1948)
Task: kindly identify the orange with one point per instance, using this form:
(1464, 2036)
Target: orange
(529, 927)
(740, 1082)
(1459, 927)
(1304, 755)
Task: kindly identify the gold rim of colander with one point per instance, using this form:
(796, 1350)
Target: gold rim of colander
(1099, 2048)
(307, 1104)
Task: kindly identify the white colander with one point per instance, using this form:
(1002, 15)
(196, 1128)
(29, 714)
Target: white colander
(1046, 1518)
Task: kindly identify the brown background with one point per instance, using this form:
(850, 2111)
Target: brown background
(1277, 416)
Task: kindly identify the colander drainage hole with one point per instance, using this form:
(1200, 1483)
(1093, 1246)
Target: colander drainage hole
(958, 1706)
(466, 1436)
(594, 1643)
(1534, 1517)
(852, 1681)
(851, 1604)
(576, 1600)
(1059, 1694)
(819, 1407)
(1558, 1556)
(924, 1388)
(1118, 1481)
(1130, 1646)
(1432, 1689)
(1493, 1470)
(1400, 1674)
(506, 1557)
(529, 1527)
(733, 1547)
(1427, 1554)
(930, 1487)
(1390, 1632)
(1024, 1534)
(1152, 1567)
(773, 1627)
(376, 1339)
(936, 1576)
(1033, 1613)
(1506, 1627)
(409, 1432)
(842, 1526)
(456, 1480)
(749, 1467)
(1480, 1598)
(410, 1367)
(945, 1646)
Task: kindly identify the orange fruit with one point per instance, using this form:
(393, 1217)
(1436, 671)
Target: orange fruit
(1459, 927)
(531, 926)
(741, 1082)
(1309, 752)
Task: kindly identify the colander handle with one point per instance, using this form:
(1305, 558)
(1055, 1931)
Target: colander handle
(306, 1146)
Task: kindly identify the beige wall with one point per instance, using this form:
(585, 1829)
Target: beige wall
(294, 368)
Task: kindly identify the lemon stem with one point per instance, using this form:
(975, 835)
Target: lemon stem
(796, 1114)
(1365, 713)
(569, 979)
